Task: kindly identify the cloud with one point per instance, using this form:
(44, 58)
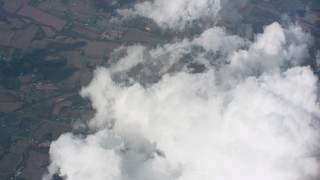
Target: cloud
(254, 115)
(85, 158)
(179, 14)
(211, 49)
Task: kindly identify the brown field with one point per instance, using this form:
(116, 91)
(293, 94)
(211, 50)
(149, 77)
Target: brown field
(56, 109)
(13, 159)
(84, 77)
(9, 106)
(85, 33)
(9, 163)
(7, 91)
(5, 97)
(36, 166)
(49, 31)
(62, 98)
(21, 144)
(59, 99)
(81, 6)
(84, 9)
(26, 79)
(52, 6)
(99, 49)
(40, 86)
(74, 58)
(41, 17)
(139, 36)
(40, 43)
(19, 38)
(14, 24)
(52, 127)
(12, 5)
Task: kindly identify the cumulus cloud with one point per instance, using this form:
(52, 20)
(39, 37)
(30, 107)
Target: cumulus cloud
(181, 13)
(215, 106)
(254, 115)
(175, 13)
(99, 149)
(211, 49)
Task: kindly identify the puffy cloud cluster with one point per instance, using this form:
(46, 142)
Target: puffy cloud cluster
(87, 158)
(216, 106)
(181, 13)
(252, 113)
(211, 48)
(176, 13)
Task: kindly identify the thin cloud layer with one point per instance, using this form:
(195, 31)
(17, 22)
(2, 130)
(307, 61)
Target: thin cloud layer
(251, 113)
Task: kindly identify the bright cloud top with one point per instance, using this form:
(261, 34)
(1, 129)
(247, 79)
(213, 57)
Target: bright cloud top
(254, 115)
(177, 14)
(181, 13)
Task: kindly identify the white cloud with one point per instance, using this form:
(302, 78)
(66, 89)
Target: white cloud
(211, 47)
(272, 51)
(179, 14)
(174, 13)
(254, 117)
(93, 157)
